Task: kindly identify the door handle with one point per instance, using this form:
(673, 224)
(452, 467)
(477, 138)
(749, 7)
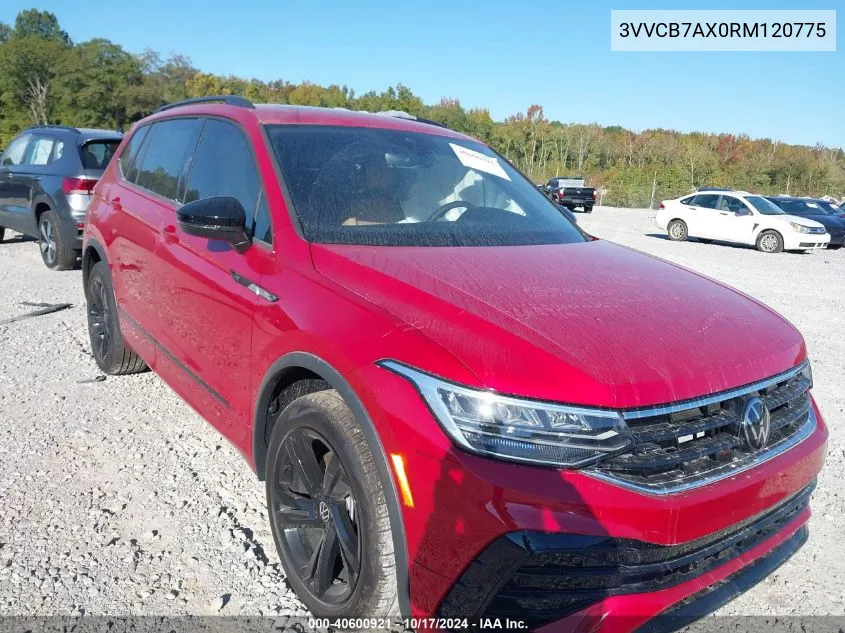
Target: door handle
(723, 213)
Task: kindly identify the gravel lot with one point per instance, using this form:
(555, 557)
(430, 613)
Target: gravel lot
(116, 498)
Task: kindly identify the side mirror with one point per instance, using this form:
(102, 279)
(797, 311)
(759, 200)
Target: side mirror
(222, 218)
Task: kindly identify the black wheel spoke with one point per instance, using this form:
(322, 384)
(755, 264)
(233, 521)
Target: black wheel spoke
(295, 510)
(305, 462)
(320, 572)
(331, 476)
(346, 536)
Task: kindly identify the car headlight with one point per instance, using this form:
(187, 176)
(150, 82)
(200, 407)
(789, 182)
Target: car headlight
(799, 227)
(487, 423)
(807, 372)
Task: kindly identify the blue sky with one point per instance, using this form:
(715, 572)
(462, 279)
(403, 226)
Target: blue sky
(503, 55)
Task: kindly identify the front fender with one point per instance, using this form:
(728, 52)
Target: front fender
(323, 369)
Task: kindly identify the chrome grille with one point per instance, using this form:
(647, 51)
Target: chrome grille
(688, 444)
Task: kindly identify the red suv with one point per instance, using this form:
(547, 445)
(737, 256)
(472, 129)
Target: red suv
(463, 406)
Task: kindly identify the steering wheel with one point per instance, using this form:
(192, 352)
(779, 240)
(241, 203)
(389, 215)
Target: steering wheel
(443, 209)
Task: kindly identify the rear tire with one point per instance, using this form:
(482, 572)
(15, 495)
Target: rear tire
(56, 254)
(328, 511)
(108, 347)
(770, 242)
(834, 247)
(677, 231)
(2, 233)
(588, 209)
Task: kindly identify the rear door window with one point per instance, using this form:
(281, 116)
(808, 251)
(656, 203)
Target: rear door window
(130, 153)
(706, 201)
(97, 154)
(165, 155)
(224, 166)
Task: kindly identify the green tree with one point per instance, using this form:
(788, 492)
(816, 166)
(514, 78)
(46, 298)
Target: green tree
(6, 32)
(35, 23)
(94, 82)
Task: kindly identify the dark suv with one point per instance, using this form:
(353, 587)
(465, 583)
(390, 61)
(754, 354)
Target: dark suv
(47, 175)
(461, 404)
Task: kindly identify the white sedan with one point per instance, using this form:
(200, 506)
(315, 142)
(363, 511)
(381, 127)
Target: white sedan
(739, 217)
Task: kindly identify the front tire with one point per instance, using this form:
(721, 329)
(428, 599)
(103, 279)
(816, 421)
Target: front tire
(677, 231)
(328, 511)
(2, 233)
(56, 254)
(108, 347)
(770, 242)
(588, 209)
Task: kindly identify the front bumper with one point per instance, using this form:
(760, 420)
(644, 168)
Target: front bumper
(463, 504)
(538, 578)
(801, 241)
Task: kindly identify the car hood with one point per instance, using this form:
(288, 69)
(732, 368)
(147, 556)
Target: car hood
(799, 220)
(590, 323)
(828, 221)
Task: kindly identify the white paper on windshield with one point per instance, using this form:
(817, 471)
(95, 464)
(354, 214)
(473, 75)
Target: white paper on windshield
(479, 162)
(812, 204)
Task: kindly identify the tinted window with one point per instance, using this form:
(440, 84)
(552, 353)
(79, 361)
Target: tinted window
(14, 154)
(224, 166)
(687, 200)
(734, 205)
(165, 155)
(130, 153)
(382, 187)
(97, 154)
(706, 200)
(41, 151)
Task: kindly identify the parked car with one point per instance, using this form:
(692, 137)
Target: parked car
(741, 218)
(47, 174)
(819, 211)
(571, 193)
(440, 378)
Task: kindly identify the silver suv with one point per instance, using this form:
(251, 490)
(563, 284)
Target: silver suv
(47, 176)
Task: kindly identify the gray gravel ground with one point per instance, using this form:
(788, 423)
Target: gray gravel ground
(116, 498)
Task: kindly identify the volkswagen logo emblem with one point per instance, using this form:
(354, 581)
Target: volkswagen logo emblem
(754, 427)
(325, 514)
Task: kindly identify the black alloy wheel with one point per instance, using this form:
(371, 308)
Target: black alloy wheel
(313, 508)
(99, 318)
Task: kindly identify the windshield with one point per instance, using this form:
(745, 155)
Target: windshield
(829, 207)
(380, 187)
(763, 206)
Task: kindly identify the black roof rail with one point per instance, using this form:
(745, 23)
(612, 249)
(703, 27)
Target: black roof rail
(430, 122)
(41, 126)
(233, 100)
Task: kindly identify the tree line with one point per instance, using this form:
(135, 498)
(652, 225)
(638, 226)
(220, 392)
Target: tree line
(47, 78)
